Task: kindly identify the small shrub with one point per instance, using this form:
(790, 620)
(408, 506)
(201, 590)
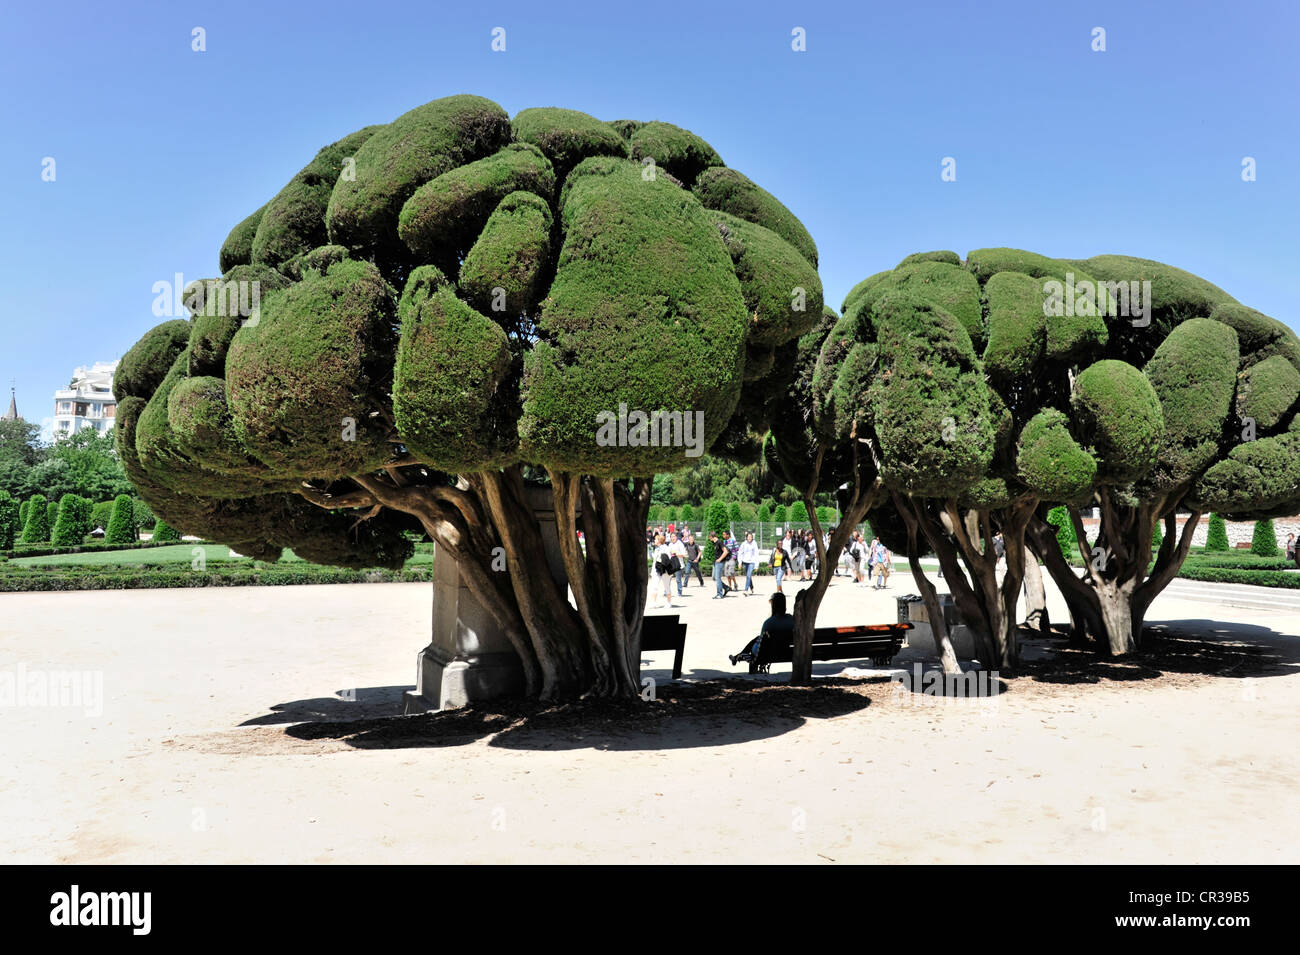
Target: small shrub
(1216, 538)
(121, 526)
(36, 530)
(162, 531)
(1263, 542)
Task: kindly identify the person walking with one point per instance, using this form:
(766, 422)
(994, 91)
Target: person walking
(678, 550)
(749, 558)
(779, 564)
(693, 556)
(720, 555)
(662, 584)
(884, 567)
(733, 555)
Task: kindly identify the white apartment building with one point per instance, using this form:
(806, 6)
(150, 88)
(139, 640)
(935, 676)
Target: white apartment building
(87, 402)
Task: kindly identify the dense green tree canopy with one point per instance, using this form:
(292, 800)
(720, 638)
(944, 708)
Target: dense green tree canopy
(466, 292)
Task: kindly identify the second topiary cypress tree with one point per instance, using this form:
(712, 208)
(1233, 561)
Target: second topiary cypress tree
(36, 530)
(121, 526)
(1216, 537)
(1264, 541)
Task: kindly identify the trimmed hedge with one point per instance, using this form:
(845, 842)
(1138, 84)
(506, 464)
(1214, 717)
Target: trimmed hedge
(165, 533)
(16, 580)
(1232, 575)
(73, 523)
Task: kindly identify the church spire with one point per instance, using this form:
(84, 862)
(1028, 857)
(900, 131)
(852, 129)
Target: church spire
(12, 413)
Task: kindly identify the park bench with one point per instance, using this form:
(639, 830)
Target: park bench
(665, 633)
(876, 641)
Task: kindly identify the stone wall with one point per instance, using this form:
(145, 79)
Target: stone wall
(1238, 532)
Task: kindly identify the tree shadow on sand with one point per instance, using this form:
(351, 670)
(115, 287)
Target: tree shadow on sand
(1174, 648)
(681, 716)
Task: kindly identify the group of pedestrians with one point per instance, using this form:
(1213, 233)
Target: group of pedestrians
(676, 555)
(869, 563)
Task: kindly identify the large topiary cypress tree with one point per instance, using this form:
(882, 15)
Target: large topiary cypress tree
(799, 513)
(479, 303)
(764, 512)
(734, 512)
(22, 516)
(121, 526)
(37, 528)
(779, 515)
(1216, 538)
(688, 512)
(51, 515)
(1113, 382)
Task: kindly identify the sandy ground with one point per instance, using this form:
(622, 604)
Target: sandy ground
(200, 753)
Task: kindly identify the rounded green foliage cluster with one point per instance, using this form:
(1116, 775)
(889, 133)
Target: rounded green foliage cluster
(162, 531)
(1059, 518)
(677, 150)
(566, 136)
(1050, 461)
(472, 292)
(1121, 419)
(735, 193)
(930, 402)
(1267, 391)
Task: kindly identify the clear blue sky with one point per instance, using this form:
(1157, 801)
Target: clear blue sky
(1059, 149)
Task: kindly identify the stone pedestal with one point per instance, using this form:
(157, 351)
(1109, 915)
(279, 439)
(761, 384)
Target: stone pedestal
(921, 636)
(469, 657)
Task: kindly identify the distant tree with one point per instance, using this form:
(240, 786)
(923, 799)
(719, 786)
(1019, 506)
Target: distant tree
(798, 513)
(764, 512)
(733, 511)
(121, 526)
(162, 531)
(36, 530)
(100, 515)
(717, 524)
(9, 527)
(1216, 537)
(687, 513)
(1264, 540)
(142, 515)
(1059, 518)
(780, 514)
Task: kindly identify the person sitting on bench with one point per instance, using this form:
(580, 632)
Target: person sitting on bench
(779, 626)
